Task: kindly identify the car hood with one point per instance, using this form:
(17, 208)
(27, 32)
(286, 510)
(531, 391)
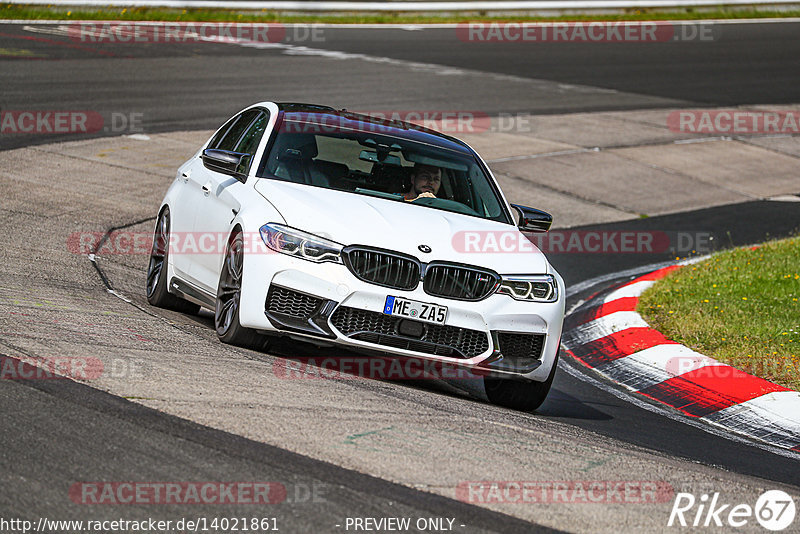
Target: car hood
(353, 219)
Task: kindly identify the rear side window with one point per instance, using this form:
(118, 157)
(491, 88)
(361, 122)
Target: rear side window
(231, 138)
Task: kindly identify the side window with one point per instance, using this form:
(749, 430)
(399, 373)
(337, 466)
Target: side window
(486, 200)
(446, 187)
(222, 131)
(234, 133)
(249, 142)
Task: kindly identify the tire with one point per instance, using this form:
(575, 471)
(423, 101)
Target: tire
(229, 291)
(156, 284)
(519, 395)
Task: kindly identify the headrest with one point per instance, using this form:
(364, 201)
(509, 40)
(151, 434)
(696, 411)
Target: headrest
(292, 142)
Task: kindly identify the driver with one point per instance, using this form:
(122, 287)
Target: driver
(425, 182)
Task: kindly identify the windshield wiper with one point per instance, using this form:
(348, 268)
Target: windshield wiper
(379, 194)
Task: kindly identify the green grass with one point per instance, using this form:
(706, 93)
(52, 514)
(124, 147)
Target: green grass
(740, 307)
(26, 12)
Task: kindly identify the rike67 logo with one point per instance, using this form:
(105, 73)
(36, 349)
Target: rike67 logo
(774, 510)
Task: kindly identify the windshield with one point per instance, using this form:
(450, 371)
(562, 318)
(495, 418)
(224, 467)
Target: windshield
(378, 164)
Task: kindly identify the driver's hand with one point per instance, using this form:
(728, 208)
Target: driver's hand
(426, 194)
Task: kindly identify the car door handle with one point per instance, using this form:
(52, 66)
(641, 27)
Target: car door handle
(207, 188)
(185, 177)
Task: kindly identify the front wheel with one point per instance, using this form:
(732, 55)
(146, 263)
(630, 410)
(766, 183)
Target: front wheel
(519, 395)
(229, 294)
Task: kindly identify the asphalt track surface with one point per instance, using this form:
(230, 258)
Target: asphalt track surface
(184, 86)
(56, 433)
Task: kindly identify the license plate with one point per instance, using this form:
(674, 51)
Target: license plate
(420, 311)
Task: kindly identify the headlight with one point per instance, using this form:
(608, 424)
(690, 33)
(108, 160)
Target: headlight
(539, 288)
(300, 244)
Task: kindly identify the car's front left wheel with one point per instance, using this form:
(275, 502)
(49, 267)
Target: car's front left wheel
(229, 294)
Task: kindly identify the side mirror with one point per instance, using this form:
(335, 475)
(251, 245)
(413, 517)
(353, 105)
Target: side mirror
(226, 162)
(533, 220)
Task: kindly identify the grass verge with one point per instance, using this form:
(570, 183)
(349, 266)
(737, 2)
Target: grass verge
(29, 12)
(739, 307)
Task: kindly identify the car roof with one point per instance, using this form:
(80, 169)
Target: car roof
(329, 117)
(300, 107)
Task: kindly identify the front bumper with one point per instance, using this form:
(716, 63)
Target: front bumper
(327, 303)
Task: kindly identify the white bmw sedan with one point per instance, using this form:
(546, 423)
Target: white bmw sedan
(381, 236)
